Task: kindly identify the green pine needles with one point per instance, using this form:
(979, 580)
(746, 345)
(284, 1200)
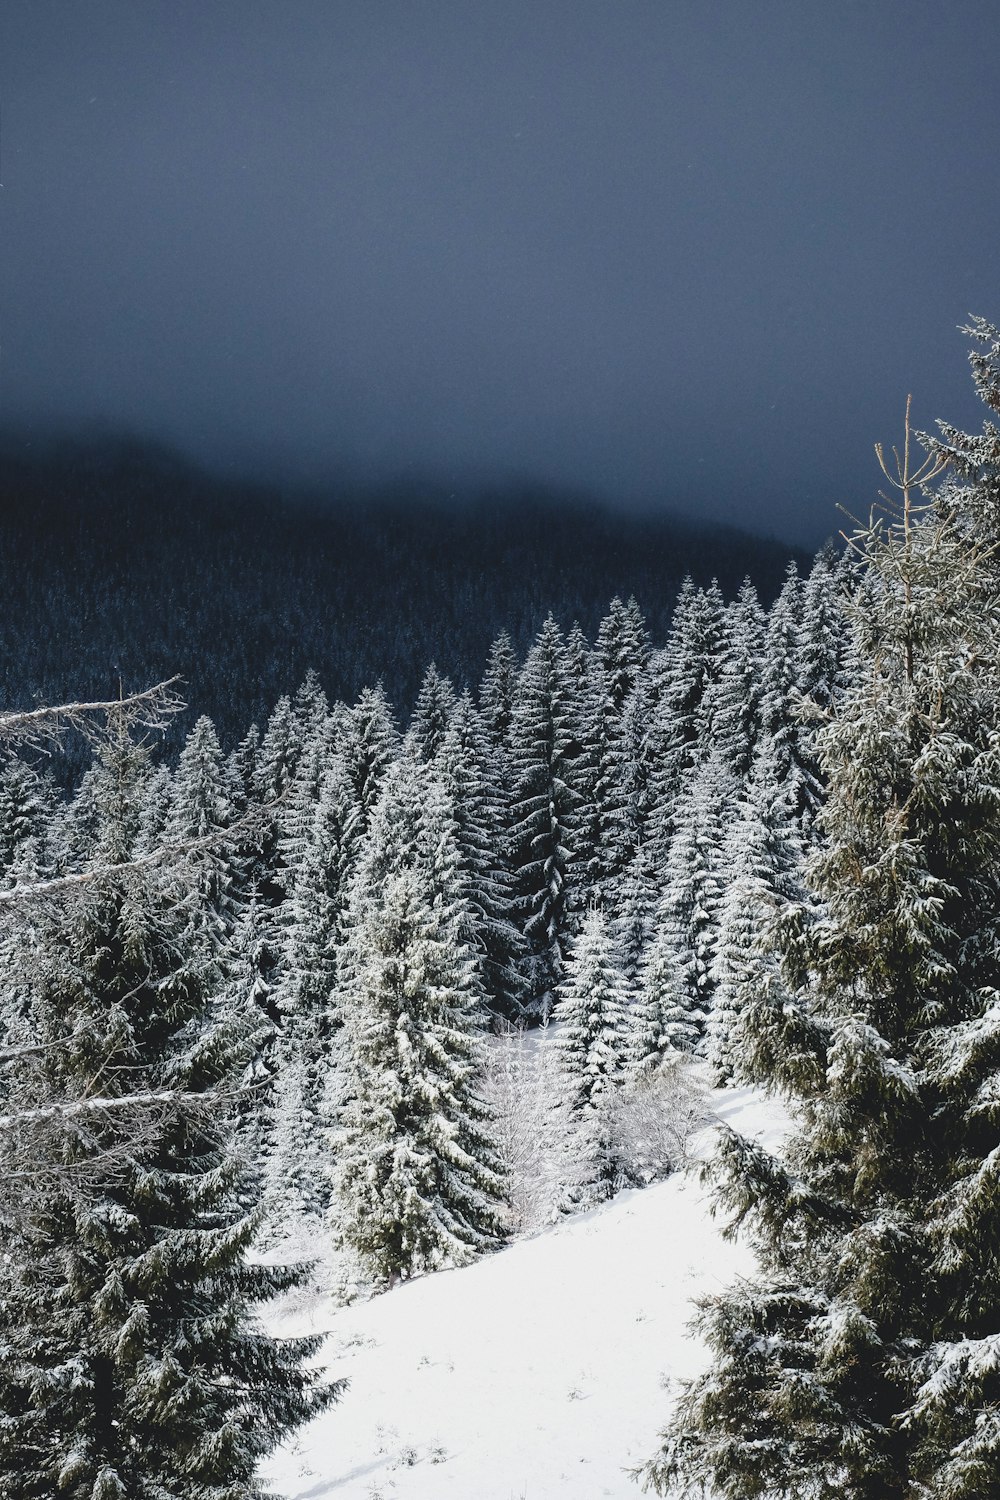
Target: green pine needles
(863, 1362)
(131, 1363)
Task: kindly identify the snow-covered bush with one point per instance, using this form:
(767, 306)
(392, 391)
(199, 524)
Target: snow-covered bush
(532, 1134)
(650, 1119)
(653, 1115)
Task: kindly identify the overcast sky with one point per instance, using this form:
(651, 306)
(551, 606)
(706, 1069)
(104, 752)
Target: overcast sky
(681, 252)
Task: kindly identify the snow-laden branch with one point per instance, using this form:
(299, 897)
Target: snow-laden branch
(19, 1118)
(39, 890)
(148, 709)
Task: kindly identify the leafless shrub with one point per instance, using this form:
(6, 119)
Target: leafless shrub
(652, 1117)
(534, 1139)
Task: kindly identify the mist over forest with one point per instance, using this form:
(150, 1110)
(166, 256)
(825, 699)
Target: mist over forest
(123, 561)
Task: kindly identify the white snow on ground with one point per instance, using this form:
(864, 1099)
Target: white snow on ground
(538, 1372)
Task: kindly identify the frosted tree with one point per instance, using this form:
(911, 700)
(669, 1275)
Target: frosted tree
(762, 856)
(368, 743)
(590, 1048)
(546, 806)
(651, 775)
(529, 1127)
(248, 989)
(663, 1019)
(468, 765)
(200, 805)
(309, 1062)
(131, 1364)
(432, 714)
(416, 1180)
(498, 688)
(621, 652)
(732, 700)
(27, 807)
(824, 643)
(791, 761)
(586, 692)
(691, 662)
(687, 918)
(278, 754)
(863, 1359)
(310, 708)
(241, 769)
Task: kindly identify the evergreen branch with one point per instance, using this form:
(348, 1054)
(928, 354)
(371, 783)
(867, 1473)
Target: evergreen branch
(18, 1118)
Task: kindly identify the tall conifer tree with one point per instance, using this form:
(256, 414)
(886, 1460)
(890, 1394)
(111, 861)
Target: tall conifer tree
(130, 1362)
(864, 1360)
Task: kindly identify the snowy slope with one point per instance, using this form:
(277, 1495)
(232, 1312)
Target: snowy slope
(536, 1373)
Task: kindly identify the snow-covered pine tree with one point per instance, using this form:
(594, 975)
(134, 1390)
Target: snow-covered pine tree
(130, 1361)
(621, 653)
(308, 1063)
(432, 714)
(661, 1019)
(278, 754)
(199, 806)
(687, 918)
(310, 708)
(590, 1050)
(262, 866)
(762, 858)
(498, 688)
(416, 1180)
(250, 966)
(584, 676)
(27, 807)
(651, 773)
(368, 743)
(665, 726)
(823, 664)
(546, 804)
(691, 661)
(974, 458)
(790, 754)
(241, 769)
(732, 705)
(863, 1359)
(468, 765)
(154, 805)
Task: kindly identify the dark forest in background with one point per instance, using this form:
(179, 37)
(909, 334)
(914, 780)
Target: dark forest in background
(121, 561)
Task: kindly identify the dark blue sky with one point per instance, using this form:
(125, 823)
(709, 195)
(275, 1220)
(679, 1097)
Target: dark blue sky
(666, 251)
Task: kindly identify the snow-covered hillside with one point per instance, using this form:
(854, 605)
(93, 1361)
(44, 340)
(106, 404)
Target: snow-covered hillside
(538, 1372)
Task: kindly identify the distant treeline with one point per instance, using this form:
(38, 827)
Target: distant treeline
(121, 561)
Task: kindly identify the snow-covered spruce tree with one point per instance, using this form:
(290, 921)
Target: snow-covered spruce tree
(586, 691)
(498, 688)
(130, 1361)
(432, 713)
(762, 857)
(621, 653)
(200, 805)
(732, 700)
(692, 661)
(687, 918)
(663, 1019)
(368, 744)
(416, 1180)
(792, 758)
(27, 806)
(308, 1062)
(864, 1359)
(469, 769)
(590, 1047)
(546, 806)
